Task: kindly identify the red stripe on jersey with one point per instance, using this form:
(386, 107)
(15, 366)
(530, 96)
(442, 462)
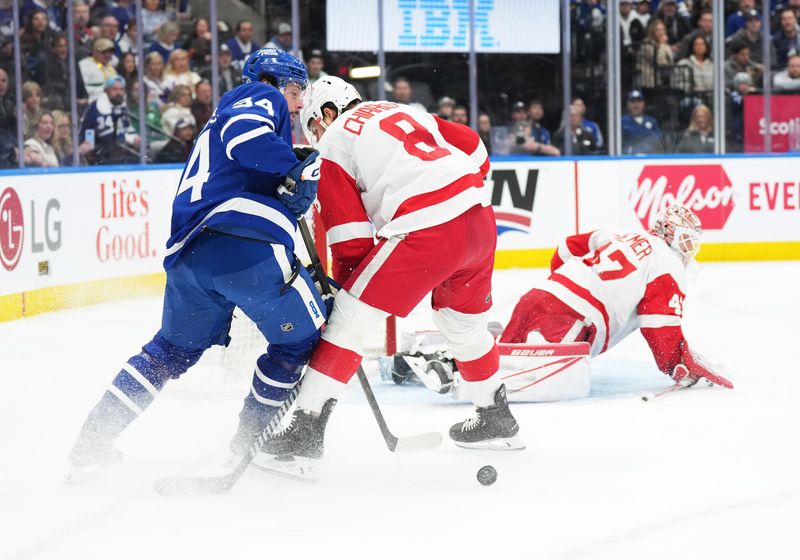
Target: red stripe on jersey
(426, 200)
(463, 138)
(659, 297)
(340, 203)
(481, 368)
(334, 361)
(576, 245)
(587, 296)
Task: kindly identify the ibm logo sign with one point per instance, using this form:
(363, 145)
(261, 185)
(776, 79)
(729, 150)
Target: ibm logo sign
(444, 23)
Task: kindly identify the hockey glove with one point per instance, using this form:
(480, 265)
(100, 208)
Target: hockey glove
(694, 368)
(327, 299)
(300, 187)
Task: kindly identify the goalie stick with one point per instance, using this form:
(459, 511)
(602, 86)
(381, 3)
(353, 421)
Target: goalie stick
(428, 440)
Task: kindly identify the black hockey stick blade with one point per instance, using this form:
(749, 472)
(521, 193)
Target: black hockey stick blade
(419, 442)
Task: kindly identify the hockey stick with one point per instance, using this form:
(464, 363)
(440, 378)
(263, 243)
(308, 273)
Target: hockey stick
(428, 440)
(649, 397)
(204, 485)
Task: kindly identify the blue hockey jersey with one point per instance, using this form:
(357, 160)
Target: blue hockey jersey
(239, 160)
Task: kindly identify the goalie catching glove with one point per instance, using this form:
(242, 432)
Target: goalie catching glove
(300, 187)
(694, 367)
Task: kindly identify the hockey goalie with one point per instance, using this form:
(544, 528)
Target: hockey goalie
(602, 287)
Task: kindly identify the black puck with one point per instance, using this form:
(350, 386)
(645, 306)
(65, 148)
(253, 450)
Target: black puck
(487, 475)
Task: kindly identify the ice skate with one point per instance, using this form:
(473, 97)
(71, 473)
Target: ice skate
(304, 436)
(492, 427)
(90, 454)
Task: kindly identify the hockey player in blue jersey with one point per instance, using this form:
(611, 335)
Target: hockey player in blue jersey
(231, 244)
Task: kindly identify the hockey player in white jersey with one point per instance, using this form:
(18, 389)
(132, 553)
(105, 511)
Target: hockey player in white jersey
(416, 183)
(604, 285)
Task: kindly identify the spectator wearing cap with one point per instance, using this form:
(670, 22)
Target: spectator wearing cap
(527, 136)
(152, 18)
(315, 64)
(749, 35)
(228, 78)
(460, 115)
(643, 11)
(739, 61)
(125, 12)
(179, 147)
(445, 108)
(630, 25)
(737, 19)
(789, 79)
(786, 39)
(734, 121)
(282, 39)
(590, 125)
(241, 44)
(402, 93)
(97, 68)
(640, 132)
(114, 137)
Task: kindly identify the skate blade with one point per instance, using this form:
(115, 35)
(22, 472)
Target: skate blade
(293, 468)
(80, 475)
(514, 443)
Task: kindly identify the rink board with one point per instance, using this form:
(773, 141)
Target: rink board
(88, 235)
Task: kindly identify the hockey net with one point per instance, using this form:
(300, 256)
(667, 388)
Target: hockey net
(238, 359)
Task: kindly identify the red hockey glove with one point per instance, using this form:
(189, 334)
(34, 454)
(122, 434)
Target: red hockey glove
(694, 368)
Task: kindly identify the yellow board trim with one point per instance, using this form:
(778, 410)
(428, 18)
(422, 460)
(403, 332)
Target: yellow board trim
(16, 306)
(34, 302)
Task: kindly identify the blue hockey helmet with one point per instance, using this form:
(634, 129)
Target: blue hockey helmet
(277, 66)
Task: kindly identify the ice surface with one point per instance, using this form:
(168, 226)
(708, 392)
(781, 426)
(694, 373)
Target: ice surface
(709, 474)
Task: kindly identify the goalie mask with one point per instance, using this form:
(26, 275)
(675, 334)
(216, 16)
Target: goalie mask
(680, 228)
(328, 92)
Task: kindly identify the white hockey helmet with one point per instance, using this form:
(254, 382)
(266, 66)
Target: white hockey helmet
(680, 228)
(328, 91)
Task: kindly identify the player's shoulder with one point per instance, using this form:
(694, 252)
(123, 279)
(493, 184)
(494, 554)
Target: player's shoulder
(252, 97)
(667, 261)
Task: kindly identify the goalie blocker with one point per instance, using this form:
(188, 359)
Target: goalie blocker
(542, 372)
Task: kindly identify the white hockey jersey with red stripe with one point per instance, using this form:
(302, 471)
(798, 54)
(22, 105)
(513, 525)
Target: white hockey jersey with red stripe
(622, 282)
(395, 169)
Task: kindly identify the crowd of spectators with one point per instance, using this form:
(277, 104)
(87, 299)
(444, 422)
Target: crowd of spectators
(667, 79)
(177, 79)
